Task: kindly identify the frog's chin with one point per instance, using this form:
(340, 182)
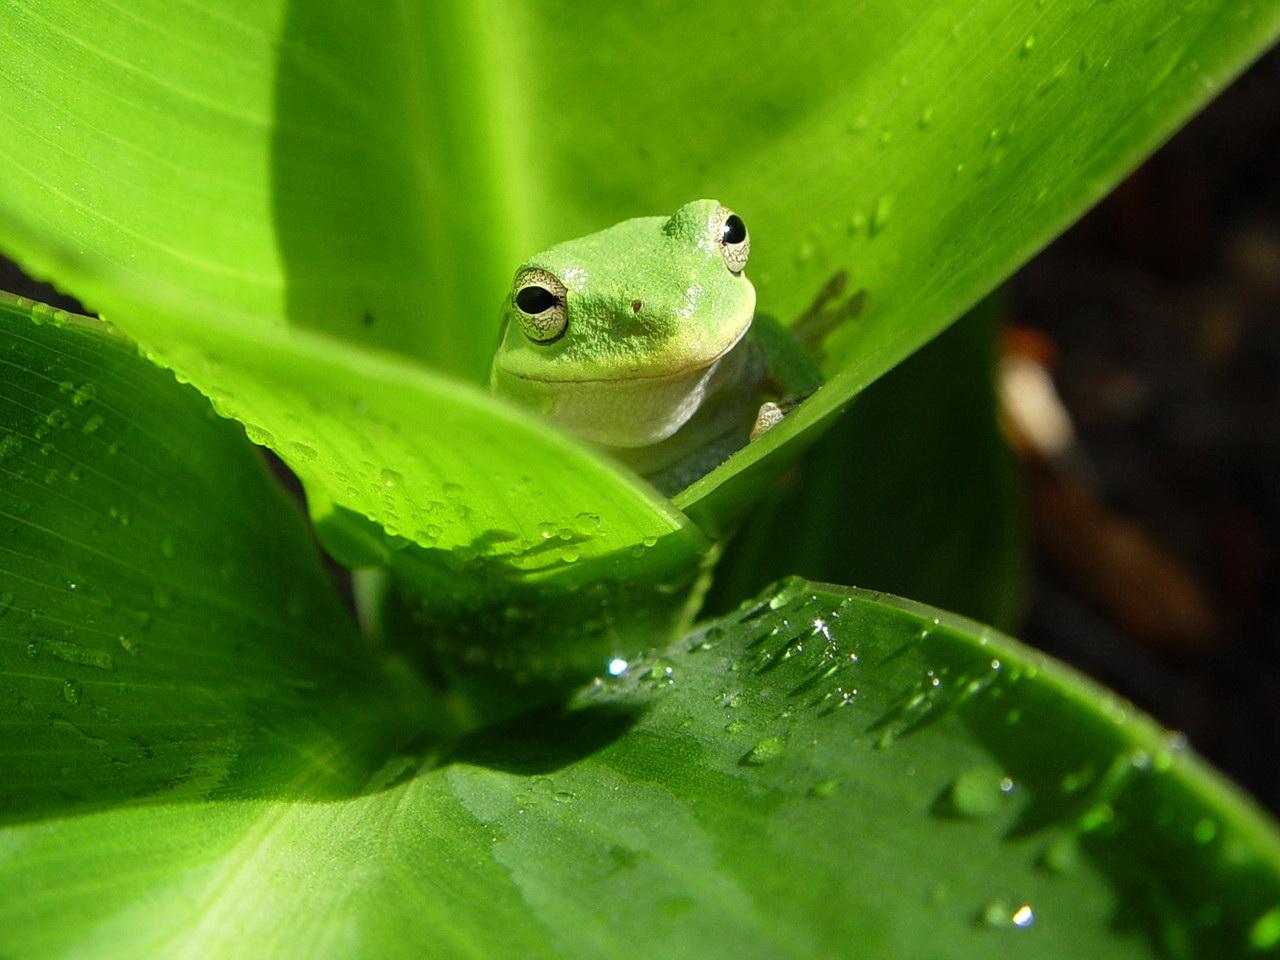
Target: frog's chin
(625, 412)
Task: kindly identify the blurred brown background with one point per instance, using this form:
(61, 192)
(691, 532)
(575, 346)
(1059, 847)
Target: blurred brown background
(1159, 316)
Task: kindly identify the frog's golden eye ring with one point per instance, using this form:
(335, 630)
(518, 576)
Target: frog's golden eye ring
(734, 241)
(538, 297)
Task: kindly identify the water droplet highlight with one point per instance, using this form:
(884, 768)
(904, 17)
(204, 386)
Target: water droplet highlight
(765, 751)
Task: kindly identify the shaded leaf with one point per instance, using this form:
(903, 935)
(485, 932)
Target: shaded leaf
(165, 626)
(912, 491)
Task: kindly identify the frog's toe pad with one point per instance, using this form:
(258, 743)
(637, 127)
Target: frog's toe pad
(768, 417)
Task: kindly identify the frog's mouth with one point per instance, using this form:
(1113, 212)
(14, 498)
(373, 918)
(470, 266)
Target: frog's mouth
(628, 411)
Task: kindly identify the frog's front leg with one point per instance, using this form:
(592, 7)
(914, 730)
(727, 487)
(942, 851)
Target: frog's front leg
(792, 373)
(769, 416)
(772, 412)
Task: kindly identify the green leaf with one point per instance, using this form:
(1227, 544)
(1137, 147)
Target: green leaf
(275, 169)
(820, 769)
(913, 491)
(553, 533)
(166, 629)
(278, 161)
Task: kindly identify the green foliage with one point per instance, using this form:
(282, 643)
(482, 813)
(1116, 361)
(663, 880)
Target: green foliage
(309, 214)
(260, 783)
(912, 492)
(264, 168)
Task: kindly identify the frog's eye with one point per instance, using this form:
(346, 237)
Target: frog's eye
(731, 235)
(538, 297)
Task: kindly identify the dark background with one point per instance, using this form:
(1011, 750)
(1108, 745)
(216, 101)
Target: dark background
(1159, 315)
(1162, 307)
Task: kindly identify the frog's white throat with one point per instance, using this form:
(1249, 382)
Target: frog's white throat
(637, 412)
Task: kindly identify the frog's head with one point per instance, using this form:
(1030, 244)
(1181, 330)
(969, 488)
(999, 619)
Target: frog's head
(625, 315)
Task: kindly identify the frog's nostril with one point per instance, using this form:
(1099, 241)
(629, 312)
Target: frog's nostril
(635, 306)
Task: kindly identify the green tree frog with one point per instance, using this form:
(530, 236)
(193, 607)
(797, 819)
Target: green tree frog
(640, 339)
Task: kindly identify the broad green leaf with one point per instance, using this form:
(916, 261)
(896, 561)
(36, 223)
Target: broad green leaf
(377, 174)
(284, 161)
(166, 630)
(913, 491)
(823, 772)
(504, 563)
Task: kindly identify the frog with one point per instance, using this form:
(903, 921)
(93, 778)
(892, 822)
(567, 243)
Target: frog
(643, 340)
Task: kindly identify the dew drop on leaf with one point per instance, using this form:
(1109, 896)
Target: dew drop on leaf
(1204, 831)
(976, 792)
(825, 788)
(83, 395)
(765, 751)
(1002, 915)
(880, 216)
(1062, 855)
(1265, 932)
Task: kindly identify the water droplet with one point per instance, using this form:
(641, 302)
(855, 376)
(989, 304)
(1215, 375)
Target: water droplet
(765, 751)
(83, 395)
(880, 215)
(263, 438)
(57, 418)
(977, 792)
(1062, 855)
(303, 452)
(75, 653)
(825, 788)
(1265, 932)
(1027, 46)
(1001, 915)
(1204, 831)
(71, 691)
(926, 118)
(390, 478)
(564, 796)
(617, 667)
(166, 548)
(6, 601)
(1096, 817)
(9, 446)
(649, 541)
(587, 523)
(663, 669)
